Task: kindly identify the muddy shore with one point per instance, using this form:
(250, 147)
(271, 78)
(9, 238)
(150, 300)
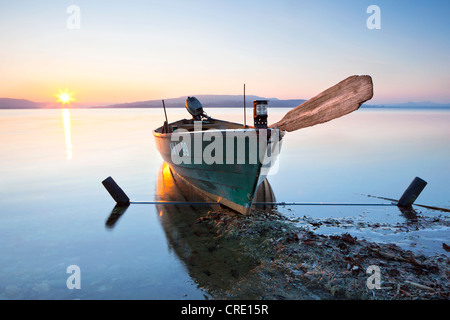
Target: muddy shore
(292, 262)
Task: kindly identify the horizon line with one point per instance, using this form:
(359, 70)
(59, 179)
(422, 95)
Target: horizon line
(106, 104)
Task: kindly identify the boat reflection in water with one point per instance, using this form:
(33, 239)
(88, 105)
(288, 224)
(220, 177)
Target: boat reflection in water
(213, 263)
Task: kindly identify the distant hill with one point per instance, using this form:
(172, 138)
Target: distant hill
(412, 105)
(209, 101)
(8, 103)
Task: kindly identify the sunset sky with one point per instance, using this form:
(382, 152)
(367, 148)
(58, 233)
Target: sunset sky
(127, 51)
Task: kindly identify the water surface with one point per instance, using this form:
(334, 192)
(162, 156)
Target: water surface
(55, 210)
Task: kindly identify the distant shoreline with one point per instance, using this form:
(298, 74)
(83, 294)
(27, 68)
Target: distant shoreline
(218, 107)
(407, 108)
(208, 101)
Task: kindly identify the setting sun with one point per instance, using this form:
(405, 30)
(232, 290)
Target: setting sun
(65, 97)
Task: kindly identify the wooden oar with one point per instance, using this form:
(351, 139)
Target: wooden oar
(337, 101)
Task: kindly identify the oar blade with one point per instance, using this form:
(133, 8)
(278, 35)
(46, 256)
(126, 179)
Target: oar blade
(337, 101)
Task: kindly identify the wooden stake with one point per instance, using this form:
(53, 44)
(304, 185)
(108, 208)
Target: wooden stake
(410, 195)
(116, 192)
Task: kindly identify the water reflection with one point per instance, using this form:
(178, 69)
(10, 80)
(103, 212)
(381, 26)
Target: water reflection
(115, 215)
(213, 263)
(67, 132)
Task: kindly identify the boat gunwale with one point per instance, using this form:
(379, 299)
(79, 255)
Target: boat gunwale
(158, 131)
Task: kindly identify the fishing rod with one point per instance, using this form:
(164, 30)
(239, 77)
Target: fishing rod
(245, 114)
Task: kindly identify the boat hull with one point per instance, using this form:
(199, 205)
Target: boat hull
(240, 165)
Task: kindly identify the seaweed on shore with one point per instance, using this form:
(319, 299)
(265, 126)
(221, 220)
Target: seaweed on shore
(295, 263)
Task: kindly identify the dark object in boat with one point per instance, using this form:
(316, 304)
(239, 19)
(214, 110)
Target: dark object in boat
(194, 107)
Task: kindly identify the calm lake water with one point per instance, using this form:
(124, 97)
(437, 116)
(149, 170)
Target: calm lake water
(56, 213)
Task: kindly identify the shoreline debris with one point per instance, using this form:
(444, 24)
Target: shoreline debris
(296, 263)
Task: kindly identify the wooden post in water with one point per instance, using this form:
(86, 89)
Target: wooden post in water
(410, 195)
(116, 192)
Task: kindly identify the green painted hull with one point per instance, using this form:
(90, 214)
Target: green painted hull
(236, 174)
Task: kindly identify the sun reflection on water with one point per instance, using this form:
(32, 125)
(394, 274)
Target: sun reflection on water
(67, 133)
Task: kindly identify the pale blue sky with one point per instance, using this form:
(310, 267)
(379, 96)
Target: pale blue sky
(140, 50)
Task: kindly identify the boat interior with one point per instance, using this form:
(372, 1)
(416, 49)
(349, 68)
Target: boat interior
(206, 124)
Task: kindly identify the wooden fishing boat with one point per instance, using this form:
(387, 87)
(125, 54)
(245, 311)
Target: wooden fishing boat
(229, 175)
(227, 161)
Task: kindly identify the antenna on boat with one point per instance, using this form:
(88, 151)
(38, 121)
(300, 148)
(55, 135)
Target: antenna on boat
(245, 121)
(166, 123)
